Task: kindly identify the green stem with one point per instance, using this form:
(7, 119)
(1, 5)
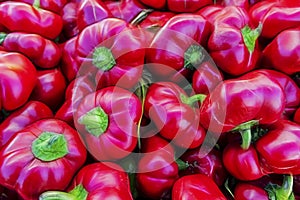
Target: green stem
(141, 16)
(182, 165)
(78, 193)
(250, 36)
(103, 58)
(193, 57)
(284, 192)
(191, 100)
(2, 37)
(226, 184)
(37, 4)
(143, 97)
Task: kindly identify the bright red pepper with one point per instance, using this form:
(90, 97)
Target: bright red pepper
(101, 180)
(233, 43)
(174, 114)
(283, 52)
(242, 102)
(196, 187)
(31, 112)
(175, 58)
(210, 165)
(210, 12)
(296, 117)
(114, 54)
(155, 20)
(90, 12)
(69, 17)
(50, 88)
(51, 5)
(43, 156)
(42, 52)
(239, 3)
(177, 5)
(156, 143)
(17, 16)
(244, 191)
(279, 148)
(107, 121)
(18, 78)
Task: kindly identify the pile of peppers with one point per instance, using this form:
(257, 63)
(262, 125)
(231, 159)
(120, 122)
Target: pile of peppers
(149, 99)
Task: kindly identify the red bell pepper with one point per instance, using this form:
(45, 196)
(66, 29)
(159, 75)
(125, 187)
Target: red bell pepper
(18, 78)
(31, 112)
(42, 52)
(101, 180)
(161, 144)
(283, 52)
(43, 156)
(236, 104)
(69, 17)
(153, 21)
(177, 5)
(285, 15)
(239, 3)
(174, 114)
(245, 191)
(17, 16)
(175, 58)
(50, 88)
(90, 12)
(210, 12)
(107, 121)
(210, 165)
(296, 117)
(279, 148)
(233, 43)
(196, 186)
(114, 54)
(51, 5)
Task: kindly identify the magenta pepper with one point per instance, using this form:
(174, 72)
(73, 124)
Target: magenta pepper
(43, 156)
(101, 180)
(69, 17)
(282, 53)
(18, 16)
(233, 43)
(31, 112)
(42, 52)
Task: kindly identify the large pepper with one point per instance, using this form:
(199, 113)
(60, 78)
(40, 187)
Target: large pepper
(17, 16)
(196, 187)
(114, 54)
(177, 48)
(18, 78)
(233, 42)
(174, 114)
(43, 156)
(107, 121)
(51, 5)
(101, 180)
(238, 104)
(279, 148)
(42, 52)
(32, 111)
(283, 52)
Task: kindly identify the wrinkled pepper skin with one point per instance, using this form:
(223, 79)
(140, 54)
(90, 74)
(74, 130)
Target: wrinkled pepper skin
(168, 105)
(50, 88)
(177, 5)
(245, 191)
(237, 101)
(42, 52)
(279, 148)
(107, 121)
(283, 52)
(17, 82)
(196, 187)
(43, 156)
(102, 180)
(114, 54)
(175, 59)
(12, 15)
(31, 112)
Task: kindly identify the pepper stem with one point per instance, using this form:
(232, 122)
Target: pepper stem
(191, 100)
(182, 165)
(95, 121)
(250, 36)
(36, 4)
(193, 56)
(141, 16)
(103, 58)
(78, 193)
(2, 37)
(284, 192)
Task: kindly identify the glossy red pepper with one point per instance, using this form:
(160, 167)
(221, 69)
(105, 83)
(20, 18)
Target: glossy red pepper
(196, 187)
(296, 117)
(155, 20)
(174, 114)
(18, 78)
(90, 12)
(244, 191)
(51, 5)
(17, 16)
(210, 12)
(210, 164)
(43, 156)
(279, 148)
(114, 54)
(233, 43)
(101, 180)
(236, 104)
(69, 17)
(282, 53)
(50, 88)
(156, 143)
(31, 112)
(42, 52)
(177, 5)
(107, 121)
(239, 3)
(174, 59)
